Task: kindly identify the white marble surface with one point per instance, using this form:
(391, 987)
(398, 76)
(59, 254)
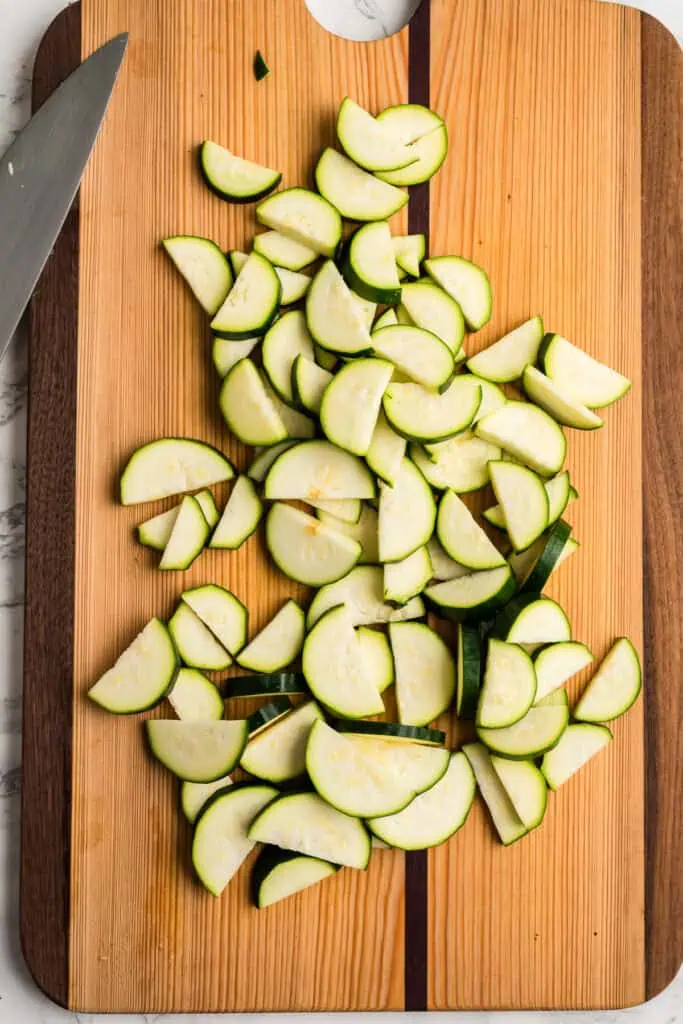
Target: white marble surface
(21, 26)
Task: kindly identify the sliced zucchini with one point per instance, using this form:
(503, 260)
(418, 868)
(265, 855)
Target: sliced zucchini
(364, 531)
(509, 686)
(370, 264)
(304, 217)
(468, 671)
(265, 458)
(279, 753)
(443, 566)
(305, 823)
(305, 549)
(403, 316)
(308, 383)
(346, 509)
(409, 251)
(235, 179)
(506, 821)
(237, 260)
(252, 303)
(431, 308)
(221, 843)
(355, 193)
(284, 252)
(475, 596)
(386, 451)
(587, 380)
(461, 536)
(558, 490)
(557, 663)
(523, 500)
(578, 744)
(460, 464)
(194, 698)
(417, 353)
(284, 341)
(265, 717)
(525, 785)
(226, 353)
(204, 267)
(532, 619)
(430, 152)
(197, 751)
(615, 686)
(188, 536)
(365, 309)
(261, 69)
(394, 732)
(377, 657)
(506, 359)
(195, 795)
(351, 403)
(407, 578)
(221, 612)
(276, 646)
(410, 121)
(492, 396)
(294, 286)
(528, 433)
(545, 558)
(361, 592)
(279, 874)
(171, 465)
(298, 426)
(425, 672)
(247, 408)
(419, 414)
(318, 470)
(558, 403)
(465, 282)
(407, 512)
(240, 517)
(333, 317)
(195, 643)
(265, 685)
(366, 776)
(207, 503)
(155, 532)
(334, 668)
(141, 676)
(387, 319)
(368, 142)
(536, 733)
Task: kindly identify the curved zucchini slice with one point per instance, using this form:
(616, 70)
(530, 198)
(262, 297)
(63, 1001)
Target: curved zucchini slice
(370, 264)
(429, 153)
(171, 465)
(509, 687)
(341, 682)
(524, 784)
(364, 531)
(578, 744)
(233, 178)
(284, 341)
(557, 663)
(252, 303)
(298, 426)
(394, 732)
(558, 403)
(475, 596)
(407, 578)
(248, 409)
(506, 821)
(294, 286)
(328, 360)
(492, 396)
(305, 823)
(284, 252)
(368, 142)
(226, 353)
(304, 217)
(461, 536)
(142, 676)
(351, 403)
(308, 384)
(356, 194)
(590, 382)
(154, 532)
(419, 414)
(367, 776)
(197, 751)
(532, 619)
(195, 795)
(465, 282)
(207, 503)
(425, 672)
(507, 359)
(460, 464)
(558, 490)
(615, 686)
(468, 671)
(240, 517)
(386, 451)
(194, 698)
(333, 316)
(188, 536)
(544, 559)
(377, 657)
(265, 717)
(523, 501)
(221, 842)
(434, 816)
(443, 566)
(410, 121)
(204, 267)
(431, 308)
(318, 470)
(267, 685)
(305, 549)
(221, 612)
(195, 643)
(362, 594)
(264, 459)
(528, 433)
(407, 512)
(386, 319)
(539, 731)
(279, 753)
(277, 645)
(279, 874)
(417, 353)
(346, 510)
(409, 251)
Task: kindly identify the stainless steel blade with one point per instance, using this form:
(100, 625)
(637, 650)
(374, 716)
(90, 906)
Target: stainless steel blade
(40, 175)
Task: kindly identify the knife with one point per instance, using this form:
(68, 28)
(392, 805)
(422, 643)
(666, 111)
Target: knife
(40, 174)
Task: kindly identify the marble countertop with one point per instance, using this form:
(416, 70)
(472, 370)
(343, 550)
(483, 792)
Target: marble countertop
(22, 26)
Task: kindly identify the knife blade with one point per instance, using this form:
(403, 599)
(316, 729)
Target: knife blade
(40, 174)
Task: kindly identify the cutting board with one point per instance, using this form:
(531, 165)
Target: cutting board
(562, 180)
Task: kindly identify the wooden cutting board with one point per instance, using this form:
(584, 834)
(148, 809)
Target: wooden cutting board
(563, 181)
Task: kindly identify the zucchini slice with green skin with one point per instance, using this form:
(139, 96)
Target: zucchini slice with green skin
(506, 821)
(305, 549)
(461, 536)
(509, 686)
(403, 317)
(298, 426)
(278, 874)
(370, 264)
(207, 503)
(578, 744)
(557, 403)
(284, 341)
(443, 566)
(546, 559)
(366, 776)
(266, 685)
(557, 663)
(318, 470)
(154, 532)
(264, 459)
(590, 382)
(261, 69)
(252, 303)
(492, 396)
(524, 784)
(365, 309)
(368, 142)
(407, 512)
(407, 578)
(507, 359)
(364, 531)
(194, 698)
(362, 594)
(432, 817)
(279, 753)
(523, 500)
(265, 717)
(240, 517)
(409, 251)
(221, 842)
(226, 353)
(539, 731)
(233, 178)
(425, 672)
(247, 408)
(419, 414)
(460, 464)
(615, 686)
(305, 823)
(429, 153)
(410, 121)
(348, 510)
(283, 252)
(532, 619)
(333, 316)
(205, 268)
(308, 383)
(558, 490)
(431, 308)
(465, 282)
(528, 433)
(387, 319)
(169, 466)
(394, 732)
(468, 671)
(188, 536)
(377, 657)
(197, 751)
(328, 360)
(334, 668)
(141, 676)
(195, 643)
(351, 403)
(275, 647)
(356, 194)
(386, 451)
(473, 597)
(294, 285)
(417, 353)
(195, 795)
(305, 217)
(221, 612)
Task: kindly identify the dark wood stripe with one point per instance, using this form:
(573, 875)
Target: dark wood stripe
(416, 863)
(50, 575)
(662, 146)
